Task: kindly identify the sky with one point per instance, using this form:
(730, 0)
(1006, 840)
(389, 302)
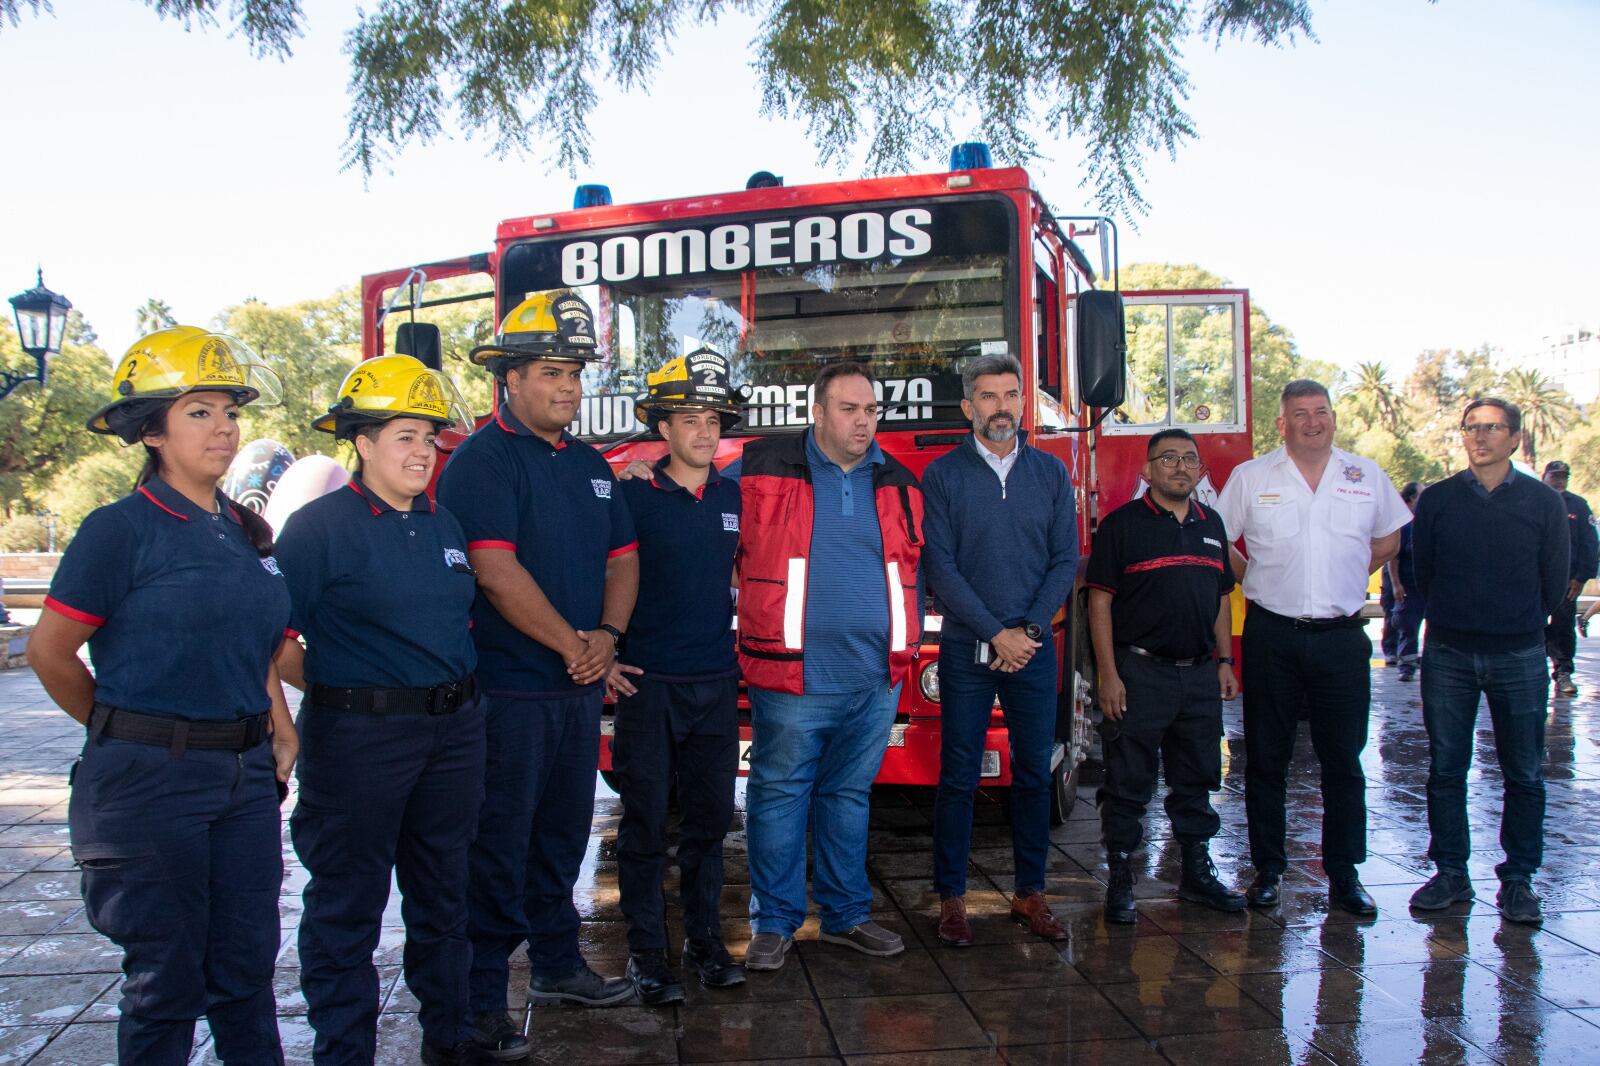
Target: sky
(1419, 176)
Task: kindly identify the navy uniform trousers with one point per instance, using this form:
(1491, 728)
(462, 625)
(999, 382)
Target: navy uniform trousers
(379, 794)
(684, 733)
(182, 866)
(538, 807)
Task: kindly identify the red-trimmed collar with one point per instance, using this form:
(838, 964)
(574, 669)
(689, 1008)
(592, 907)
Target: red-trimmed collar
(182, 508)
(663, 481)
(378, 504)
(514, 426)
(1196, 512)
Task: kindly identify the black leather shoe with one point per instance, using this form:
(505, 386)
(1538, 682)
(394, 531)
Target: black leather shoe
(496, 1038)
(1265, 891)
(1199, 882)
(654, 979)
(1347, 894)
(1119, 890)
(711, 962)
(582, 986)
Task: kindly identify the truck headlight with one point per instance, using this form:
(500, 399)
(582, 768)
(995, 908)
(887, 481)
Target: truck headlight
(930, 683)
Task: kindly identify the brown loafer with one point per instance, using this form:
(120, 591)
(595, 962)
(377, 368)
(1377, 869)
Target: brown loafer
(1032, 911)
(954, 929)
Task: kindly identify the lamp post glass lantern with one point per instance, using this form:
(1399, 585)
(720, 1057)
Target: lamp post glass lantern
(41, 327)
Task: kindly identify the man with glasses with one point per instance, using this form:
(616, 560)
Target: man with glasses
(1492, 551)
(1316, 521)
(1560, 637)
(1159, 579)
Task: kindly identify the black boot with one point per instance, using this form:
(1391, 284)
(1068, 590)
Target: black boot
(654, 979)
(711, 961)
(1119, 890)
(1199, 882)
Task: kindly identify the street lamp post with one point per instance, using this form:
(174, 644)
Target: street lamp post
(41, 325)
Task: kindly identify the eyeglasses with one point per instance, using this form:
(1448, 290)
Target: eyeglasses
(1170, 460)
(1480, 429)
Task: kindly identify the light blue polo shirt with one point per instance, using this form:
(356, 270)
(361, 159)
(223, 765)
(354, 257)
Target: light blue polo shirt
(847, 602)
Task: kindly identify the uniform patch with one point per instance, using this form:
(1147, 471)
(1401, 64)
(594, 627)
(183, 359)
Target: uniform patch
(453, 556)
(602, 487)
(1354, 474)
(1213, 543)
(270, 565)
(730, 522)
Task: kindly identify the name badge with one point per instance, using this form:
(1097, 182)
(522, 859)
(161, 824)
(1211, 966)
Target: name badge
(1269, 499)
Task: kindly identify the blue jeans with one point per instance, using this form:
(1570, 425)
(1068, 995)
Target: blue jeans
(1028, 698)
(1518, 693)
(813, 756)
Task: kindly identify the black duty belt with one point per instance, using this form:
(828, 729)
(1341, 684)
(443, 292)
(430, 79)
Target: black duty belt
(1313, 625)
(1194, 660)
(177, 734)
(440, 699)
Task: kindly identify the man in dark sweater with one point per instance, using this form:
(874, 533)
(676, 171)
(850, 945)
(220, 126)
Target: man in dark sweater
(1000, 558)
(1492, 552)
(1560, 637)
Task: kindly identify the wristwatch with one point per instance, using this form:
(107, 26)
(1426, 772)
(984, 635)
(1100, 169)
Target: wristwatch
(616, 634)
(1224, 660)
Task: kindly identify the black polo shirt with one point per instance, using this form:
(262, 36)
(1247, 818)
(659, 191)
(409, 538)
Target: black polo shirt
(383, 597)
(556, 506)
(1167, 578)
(682, 627)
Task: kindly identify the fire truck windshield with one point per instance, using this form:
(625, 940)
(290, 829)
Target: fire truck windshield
(913, 289)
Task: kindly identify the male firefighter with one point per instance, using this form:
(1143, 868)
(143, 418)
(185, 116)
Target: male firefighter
(553, 545)
(1159, 578)
(1316, 521)
(1001, 557)
(677, 718)
(1560, 636)
(829, 623)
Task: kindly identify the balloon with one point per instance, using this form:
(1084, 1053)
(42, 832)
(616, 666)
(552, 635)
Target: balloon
(304, 481)
(254, 473)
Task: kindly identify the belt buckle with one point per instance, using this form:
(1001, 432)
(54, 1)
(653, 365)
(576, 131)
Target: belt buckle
(442, 698)
(1304, 621)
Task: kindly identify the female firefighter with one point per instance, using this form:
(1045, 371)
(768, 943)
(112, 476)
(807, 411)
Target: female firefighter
(174, 807)
(391, 774)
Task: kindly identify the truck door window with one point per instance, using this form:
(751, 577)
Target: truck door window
(1185, 362)
(1202, 364)
(1146, 403)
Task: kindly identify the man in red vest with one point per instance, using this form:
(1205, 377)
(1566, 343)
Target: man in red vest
(830, 620)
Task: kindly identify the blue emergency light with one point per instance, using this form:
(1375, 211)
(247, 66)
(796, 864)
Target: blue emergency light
(973, 155)
(591, 196)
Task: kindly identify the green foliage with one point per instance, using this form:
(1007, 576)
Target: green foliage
(1547, 409)
(152, 315)
(266, 24)
(107, 473)
(42, 430)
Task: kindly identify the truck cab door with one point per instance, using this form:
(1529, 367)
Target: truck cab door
(394, 305)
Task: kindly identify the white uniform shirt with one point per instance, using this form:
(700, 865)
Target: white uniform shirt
(1000, 464)
(1309, 551)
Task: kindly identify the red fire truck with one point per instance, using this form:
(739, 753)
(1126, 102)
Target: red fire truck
(912, 275)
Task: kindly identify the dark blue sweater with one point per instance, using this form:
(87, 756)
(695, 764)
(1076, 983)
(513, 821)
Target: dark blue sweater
(1492, 565)
(997, 559)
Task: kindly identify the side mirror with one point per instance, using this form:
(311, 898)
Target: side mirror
(422, 340)
(1102, 346)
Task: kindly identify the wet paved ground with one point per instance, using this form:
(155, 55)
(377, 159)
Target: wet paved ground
(1296, 985)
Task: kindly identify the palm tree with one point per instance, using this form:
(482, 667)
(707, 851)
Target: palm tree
(1547, 410)
(154, 314)
(1373, 389)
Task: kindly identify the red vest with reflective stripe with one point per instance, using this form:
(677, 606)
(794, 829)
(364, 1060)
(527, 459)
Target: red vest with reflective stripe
(775, 548)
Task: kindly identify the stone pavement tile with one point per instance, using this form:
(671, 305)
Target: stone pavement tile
(1141, 958)
(738, 1031)
(768, 986)
(818, 1060)
(1133, 1052)
(295, 1035)
(19, 1043)
(1029, 964)
(49, 1000)
(1328, 996)
(25, 858)
(1485, 937)
(1379, 941)
(839, 974)
(603, 940)
(65, 953)
(1177, 917)
(1548, 1038)
(1257, 950)
(1416, 1042)
(1452, 987)
(1062, 1015)
(1244, 1047)
(986, 1056)
(903, 1025)
(1191, 1005)
(1581, 928)
(574, 1036)
(399, 1040)
(1571, 981)
(81, 1044)
(58, 885)
(76, 920)
(35, 915)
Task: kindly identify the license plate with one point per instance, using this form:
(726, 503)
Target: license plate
(744, 754)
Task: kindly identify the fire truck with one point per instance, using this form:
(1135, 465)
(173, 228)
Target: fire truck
(912, 275)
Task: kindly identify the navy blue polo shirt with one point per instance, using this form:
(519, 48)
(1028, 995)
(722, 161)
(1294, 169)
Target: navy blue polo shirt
(557, 507)
(382, 597)
(847, 598)
(681, 628)
(188, 614)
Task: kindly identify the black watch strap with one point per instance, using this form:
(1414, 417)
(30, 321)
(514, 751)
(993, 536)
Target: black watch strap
(616, 634)
(1224, 660)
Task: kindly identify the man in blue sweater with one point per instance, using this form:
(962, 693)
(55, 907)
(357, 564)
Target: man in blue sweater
(1001, 557)
(1492, 552)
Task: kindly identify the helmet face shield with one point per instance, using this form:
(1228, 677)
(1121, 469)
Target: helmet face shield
(171, 362)
(398, 386)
